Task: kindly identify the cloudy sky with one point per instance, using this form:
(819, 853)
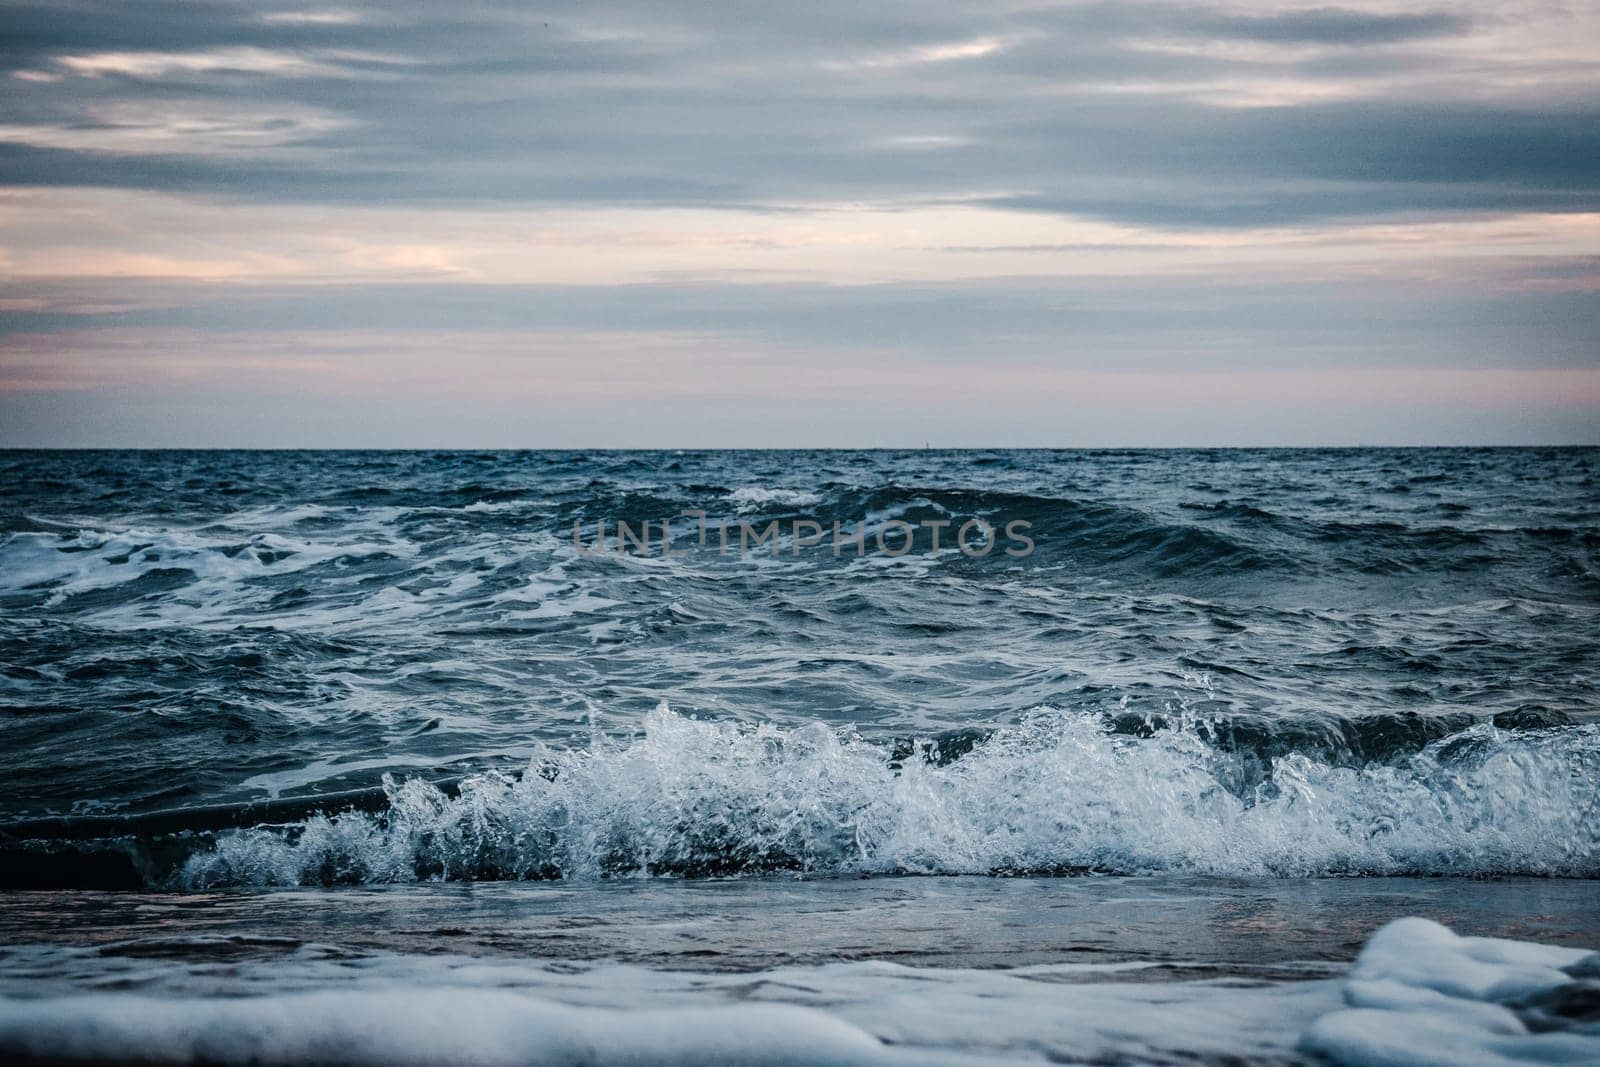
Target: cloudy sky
(607, 223)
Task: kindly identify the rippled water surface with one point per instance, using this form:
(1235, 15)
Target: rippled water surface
(248, 668)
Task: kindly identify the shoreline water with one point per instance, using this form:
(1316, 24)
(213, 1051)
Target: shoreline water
(1174, 922)
(885, 970)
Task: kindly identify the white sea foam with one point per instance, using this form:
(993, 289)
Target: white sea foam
(452, 1010)
(219, 567)
(1059, 791)
(280, 516)
(755, 498)
(1417, 996)
(428, 1027)
(227, 575)
(1420, 996)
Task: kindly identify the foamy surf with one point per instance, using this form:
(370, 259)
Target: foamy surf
(1062, 792)
(430, 1027)
(1418, 995)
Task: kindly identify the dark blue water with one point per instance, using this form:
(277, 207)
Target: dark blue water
(252, 668)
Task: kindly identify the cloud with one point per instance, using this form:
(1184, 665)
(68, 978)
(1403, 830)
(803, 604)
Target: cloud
(1086, 187)
(1335, 26)
(1060, 108)
(332, 17)
(620, 389)
(1149, 324)
(320, 63)
(976, 48)
(178, 127)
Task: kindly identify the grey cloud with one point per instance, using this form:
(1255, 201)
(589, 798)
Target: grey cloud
(1332, 26)
(1114, 111)
(199, 418)
(37, 31)
(736, 104)
(1148, 324)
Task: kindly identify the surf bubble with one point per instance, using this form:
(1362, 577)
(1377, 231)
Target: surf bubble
(1419, 995)
(1060, 792)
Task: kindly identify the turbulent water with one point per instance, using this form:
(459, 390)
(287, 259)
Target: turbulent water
(259, 668)
(379, 758)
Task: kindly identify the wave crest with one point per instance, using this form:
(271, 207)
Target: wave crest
(1061, 792)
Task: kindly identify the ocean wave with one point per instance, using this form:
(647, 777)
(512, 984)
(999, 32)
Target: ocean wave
(755, 498)
(1090, 534)
(1062, 792)
(66, 563)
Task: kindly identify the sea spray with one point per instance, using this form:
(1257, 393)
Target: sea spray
(1059, 792)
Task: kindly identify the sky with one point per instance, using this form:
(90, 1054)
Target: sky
(866, 224)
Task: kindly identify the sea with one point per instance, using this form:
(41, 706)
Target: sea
(1206, 756)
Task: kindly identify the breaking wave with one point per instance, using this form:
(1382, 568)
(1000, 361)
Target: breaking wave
(1059, 793)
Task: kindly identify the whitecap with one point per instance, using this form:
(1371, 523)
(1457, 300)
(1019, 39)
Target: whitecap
(1059, 792)
(757, 498)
